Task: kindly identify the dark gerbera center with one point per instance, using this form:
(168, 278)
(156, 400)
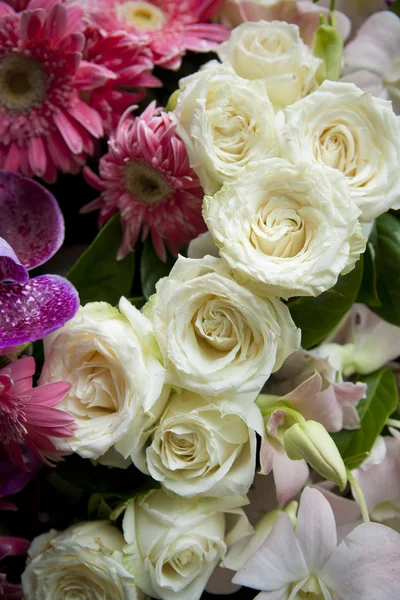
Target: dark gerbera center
(145, 183)
(23, 82)
(141, 15)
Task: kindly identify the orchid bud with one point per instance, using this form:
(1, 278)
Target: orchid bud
(310, 441)
(328, 45)
(172, 101)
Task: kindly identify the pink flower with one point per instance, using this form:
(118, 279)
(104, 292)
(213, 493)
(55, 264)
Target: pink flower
(128, 64)
(146, 176)
(167, 27)
(308, 562)
(44, 124)
(28, 415)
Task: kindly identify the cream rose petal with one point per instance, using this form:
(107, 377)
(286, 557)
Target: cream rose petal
(226, 122)
(349, 130)
(215, 335)
(274, 54)
(286, 230)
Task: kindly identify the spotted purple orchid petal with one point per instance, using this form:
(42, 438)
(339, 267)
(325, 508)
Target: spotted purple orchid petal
(30, 219)
(10, 267)
(30, 312)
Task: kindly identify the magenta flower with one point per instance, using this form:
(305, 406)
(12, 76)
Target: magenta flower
(32, 222)
(45, 126)
(11, 546)
(146, 176)
(28, 415)
(167, 27)
(12, 478)
(129, 65)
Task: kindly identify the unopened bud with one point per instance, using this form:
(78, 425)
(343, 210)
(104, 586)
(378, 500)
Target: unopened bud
(328, 45)
(310, 441)
(172, 101)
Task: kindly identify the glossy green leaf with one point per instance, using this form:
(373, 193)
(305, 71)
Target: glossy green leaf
(97, 275)
(152, 268)
(386, 242)
(317, 317)
(382, 399)
(368, 293)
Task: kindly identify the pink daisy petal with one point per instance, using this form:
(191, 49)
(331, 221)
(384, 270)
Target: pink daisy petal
(10, 267)
(145, 176)
(31, 311)
(31, 417)
(41, 53)
(171, 26)
(30, 219)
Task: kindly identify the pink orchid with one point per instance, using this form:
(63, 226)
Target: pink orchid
(371, 60)
(363, 343)
(31, 221)
(310, 386)
(29, 415)
(308, 562)
(380, 484)
(167, 27)
(45, 126)
(147, 177)
(304, 14)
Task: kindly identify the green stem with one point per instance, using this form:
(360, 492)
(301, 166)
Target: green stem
(360, 496)
(393, 423)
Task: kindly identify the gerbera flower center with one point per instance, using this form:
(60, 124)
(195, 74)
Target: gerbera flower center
(145, 183)
(12, 416)
(142, 15)
(23, 83)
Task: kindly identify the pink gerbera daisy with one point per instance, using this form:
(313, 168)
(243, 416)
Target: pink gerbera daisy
(146, 176)
(28, 416)
(44, 123)
(129, 65)
(167, 27)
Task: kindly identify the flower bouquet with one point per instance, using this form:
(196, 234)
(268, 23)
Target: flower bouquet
(199, 299)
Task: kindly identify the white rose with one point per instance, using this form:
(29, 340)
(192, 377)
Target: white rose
(117, 381)
(286, 230)
(345, 128)
(84, 562)
(174, 543)
(203, 447)
(226, 122)
(274, 54)
(215, 335)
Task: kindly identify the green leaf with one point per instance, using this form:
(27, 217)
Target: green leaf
(317, 317)
(91, 478)
(152, 268)
(382, 399)
(396, 7)
(368, 293)
(386, 241)
(97, 275)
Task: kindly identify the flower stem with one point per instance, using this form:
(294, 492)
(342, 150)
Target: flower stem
(393, 423)
(360, 496)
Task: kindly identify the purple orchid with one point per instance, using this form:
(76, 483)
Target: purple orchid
(31, 232)
(11, 546)
(13, 478)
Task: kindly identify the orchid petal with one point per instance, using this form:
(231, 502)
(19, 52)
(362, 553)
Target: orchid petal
(316, 529)
(365, 565)
(11, 268)
(30, 219)
(289, 475)
(12, 478)
(277, 563)
(31, 311)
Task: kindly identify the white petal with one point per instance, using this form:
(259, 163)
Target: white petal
(289, 475)
(366, 565)
(316, 529)
(277, 563)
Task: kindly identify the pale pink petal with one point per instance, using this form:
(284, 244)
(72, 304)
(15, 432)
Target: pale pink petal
(366, 565)
(316, 529)
(220, 582)
(289, 475)
(278, 563)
